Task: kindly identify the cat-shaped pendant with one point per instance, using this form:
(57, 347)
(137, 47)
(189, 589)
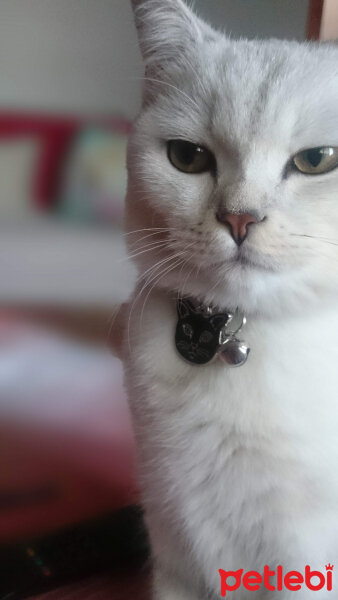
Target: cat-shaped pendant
(201, 335)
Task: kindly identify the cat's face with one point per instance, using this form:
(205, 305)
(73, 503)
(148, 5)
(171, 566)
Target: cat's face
(250, 109)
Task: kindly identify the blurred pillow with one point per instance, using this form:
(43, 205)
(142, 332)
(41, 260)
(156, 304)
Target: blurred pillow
(54, 134)
(18, 158)
(95, 180)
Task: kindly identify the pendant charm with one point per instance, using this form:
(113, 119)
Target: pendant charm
(197, 332)
(234, 353)
(201, 335)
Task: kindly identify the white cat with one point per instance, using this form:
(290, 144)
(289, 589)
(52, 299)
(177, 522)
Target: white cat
(233, 201)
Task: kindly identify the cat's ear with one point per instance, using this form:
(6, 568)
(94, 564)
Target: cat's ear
(184, 308)
(167, 30)
(218, 321)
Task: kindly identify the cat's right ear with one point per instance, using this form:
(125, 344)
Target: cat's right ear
(168, 30)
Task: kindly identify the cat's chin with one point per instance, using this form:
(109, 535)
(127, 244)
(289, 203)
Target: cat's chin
(243, 286)
(253, 282)
(247, 264)
(250, 259)
(254, 290)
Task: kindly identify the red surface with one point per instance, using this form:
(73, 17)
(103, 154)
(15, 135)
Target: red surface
(66, 445)
(79, 477)
(134, 585)
(314, 19)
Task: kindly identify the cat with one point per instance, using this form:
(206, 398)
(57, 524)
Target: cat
(232, 202)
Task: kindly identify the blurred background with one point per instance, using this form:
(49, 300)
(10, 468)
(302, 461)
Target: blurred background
(69, 88)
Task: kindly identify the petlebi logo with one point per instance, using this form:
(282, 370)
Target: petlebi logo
(276, 580)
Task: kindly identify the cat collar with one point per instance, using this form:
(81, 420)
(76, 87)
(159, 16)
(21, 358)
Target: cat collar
(203, 334)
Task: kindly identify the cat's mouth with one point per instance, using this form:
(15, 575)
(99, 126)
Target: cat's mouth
(246, 262)
(242, 259)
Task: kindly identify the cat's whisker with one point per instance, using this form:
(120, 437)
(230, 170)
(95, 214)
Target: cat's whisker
(155, 229)
(137, 297)
(158, 245)
(178, 296)
(157, 279)
(111, 321)
(224, 270)
(216, 284)
(185, 262)
(129, 258)
(154, 243)
(160, 264)
(187, 278)
(197, 272)
(147, 236)
(151, 270)
(316, 238)
(153, 277)
(147, 282)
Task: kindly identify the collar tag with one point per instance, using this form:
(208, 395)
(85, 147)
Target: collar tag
(203, 334)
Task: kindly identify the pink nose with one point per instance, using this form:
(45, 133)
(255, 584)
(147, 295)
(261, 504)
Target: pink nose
(238, 224)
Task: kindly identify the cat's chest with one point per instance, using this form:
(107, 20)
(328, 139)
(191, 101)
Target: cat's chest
(293, 366)
(260, 430)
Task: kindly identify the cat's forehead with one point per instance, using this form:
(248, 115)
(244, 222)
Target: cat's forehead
(266, 88)
(246, 90)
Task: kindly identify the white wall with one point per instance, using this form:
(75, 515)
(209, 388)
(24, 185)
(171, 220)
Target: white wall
(71, 54)
(82, 54)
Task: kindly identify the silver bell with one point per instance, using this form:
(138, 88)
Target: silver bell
(234, 353)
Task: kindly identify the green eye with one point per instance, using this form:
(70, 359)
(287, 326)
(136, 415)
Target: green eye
(316, 160)
(189, 157)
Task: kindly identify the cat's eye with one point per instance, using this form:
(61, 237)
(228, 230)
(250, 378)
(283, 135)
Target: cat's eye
(315, 161)
(189, 157)
(188, 330)
(205, 337)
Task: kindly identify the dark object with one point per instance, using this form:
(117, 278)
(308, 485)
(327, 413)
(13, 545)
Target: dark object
(114, 543)
(314, 19)
(197, 334)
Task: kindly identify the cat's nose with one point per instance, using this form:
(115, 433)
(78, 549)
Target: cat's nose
(237, 223)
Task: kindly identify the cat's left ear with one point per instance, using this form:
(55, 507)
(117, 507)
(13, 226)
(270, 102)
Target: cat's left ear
(168, 30)
(218, 321)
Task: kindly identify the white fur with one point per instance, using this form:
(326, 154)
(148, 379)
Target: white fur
(238, 467)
